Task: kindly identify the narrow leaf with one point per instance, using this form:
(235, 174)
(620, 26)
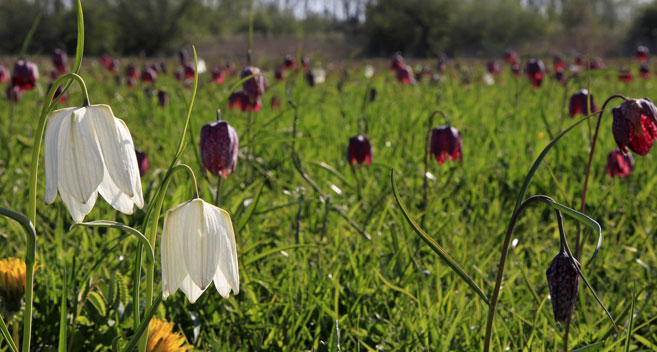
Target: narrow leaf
(245, 219)
(7, 335)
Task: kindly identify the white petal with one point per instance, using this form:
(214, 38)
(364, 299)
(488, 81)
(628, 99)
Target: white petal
(227, 276)
(113, 195)
(115, 148)
(200, 244)
(190, 289)
(130, 155)
(78, 209)
(79, 164)
(173, 265)
(50, 149)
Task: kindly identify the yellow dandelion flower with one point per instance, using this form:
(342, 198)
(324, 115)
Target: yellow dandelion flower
(12, 282)
(161, 338)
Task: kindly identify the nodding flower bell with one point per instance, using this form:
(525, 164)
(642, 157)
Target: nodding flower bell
(397, 62)
(58, 93)
(142, 162)
(535, 72)
(596, 63)
(188, 71)
(289, 63)
(255, 86)
(198, 247)
(4, 74)
(89, 151)
(405, 75)
(446, 143)
(218, 76)
(131, 72)
(25, 75)
(625, 75)
(579, 104)
(559, 63)
(148, 75)
(515, 69)
(642, 53)
(493, 67)
(305, 63)
(510, 56)
(162, 98)
(59, 60)
(579, 60)
(619, 164)
(563, 281)
(359, 150)
(644, 70)
(240, 100)
(635, 125)
(219, 147)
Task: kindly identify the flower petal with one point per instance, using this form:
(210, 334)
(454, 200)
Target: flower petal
(190, 289)
(173, 265)
(227, 275)
(116, 147)
(77, 209)
(200, 244)
(50, 150)
(79, 164)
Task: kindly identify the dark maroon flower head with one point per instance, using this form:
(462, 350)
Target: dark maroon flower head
(131, 82)
(535, 72)
(149, 75)
(219, 147)
(359, 150)
(25, 75)
(580, 105)
(59, 60)
(310, 78)
(619, 164)
(113, 65)
(397, 63)
(241, 101)
(560, 76)
(58, 93)
(13, 93)
(642, 53)
(162, 98)
(218, 76)
(289, 63)
(644, 70)
(305, 63)
(625, 75)
(275, 103)
(446, 143)
(635, 125)
(492, 67)
(559, 63)
(142, 162)
(256, 85)
(510, 56)
(4, 74)
(515, 68)
(183, 57)
(596, 63)
(132, 72)
(579, 60)
(563, 281)
(372, 94)
(278, 73)
(178, 75)
(405, 75)
(189, 71)
(155, 67)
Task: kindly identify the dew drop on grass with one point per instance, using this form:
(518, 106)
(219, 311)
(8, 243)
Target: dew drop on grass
(514, 243)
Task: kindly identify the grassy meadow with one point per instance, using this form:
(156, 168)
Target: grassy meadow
(303, 266)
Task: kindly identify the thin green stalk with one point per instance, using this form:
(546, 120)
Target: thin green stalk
(217, 196)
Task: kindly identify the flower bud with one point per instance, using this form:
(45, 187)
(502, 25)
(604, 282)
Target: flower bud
(219, 147)
(142, 162)
(189, 71)
(563, 282)
(148, 75)
(218, 76)
(446, 143)
(558, 62)
(256, 85)
(25, 75)
(162, 98)
(305, 63)
(642, 53)
(510, 56)
(619, 164)
(132, 72)
(644, 70)
(59, 60)
(535, 72)
(596, 64)
(289, 63)
(359, 150)
(405, 75)
(493, 67)
(635, 125)
(241, 101)
(515, 69)
(397, 62)
(579, 104)
(625, 75)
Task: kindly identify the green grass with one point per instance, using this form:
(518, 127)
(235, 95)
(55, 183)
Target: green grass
(302, 267)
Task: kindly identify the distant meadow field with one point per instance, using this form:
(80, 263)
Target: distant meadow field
(295, 203)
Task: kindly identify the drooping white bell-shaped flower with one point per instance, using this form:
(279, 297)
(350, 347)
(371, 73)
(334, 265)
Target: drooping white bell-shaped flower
(89, 151)
(198, 247)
